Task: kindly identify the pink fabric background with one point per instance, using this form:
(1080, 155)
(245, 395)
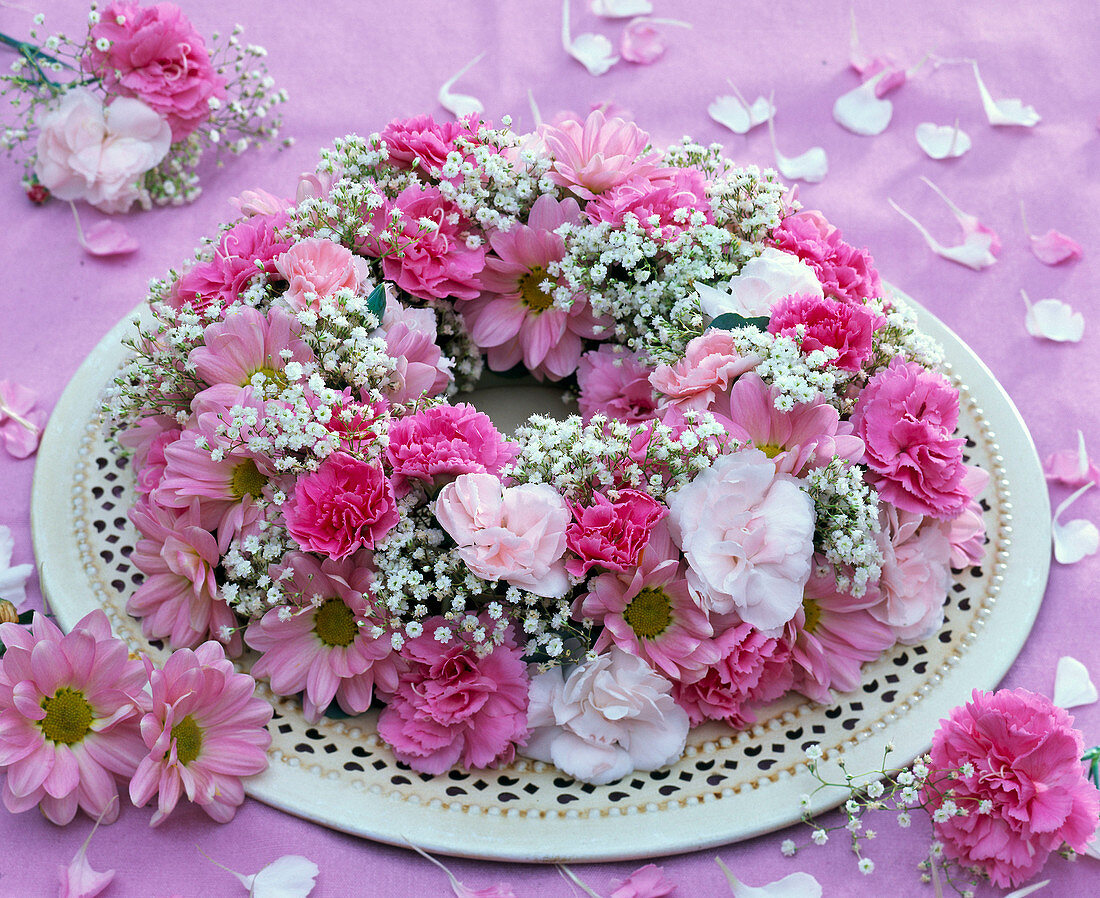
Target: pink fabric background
(351, 66)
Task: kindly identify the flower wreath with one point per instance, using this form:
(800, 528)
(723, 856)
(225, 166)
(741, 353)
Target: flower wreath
(761, 493)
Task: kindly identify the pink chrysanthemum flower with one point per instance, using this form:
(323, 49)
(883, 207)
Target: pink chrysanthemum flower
(832, 636)
(245, 343)
(515, 319)
(331, 648)
(205, 731)
(178, 600)
(69, 708)
(809, 435)
(597, 155)
(648, 611)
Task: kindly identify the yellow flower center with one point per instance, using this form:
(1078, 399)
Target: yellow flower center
(529, 291)
(813, 614)
(649, 613)
(334, 623)
(68, 717)
(274, 375)
(770, 449)
(247, 480)
(188, 738)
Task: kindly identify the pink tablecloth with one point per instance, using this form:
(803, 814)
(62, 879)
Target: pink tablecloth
(351, 66)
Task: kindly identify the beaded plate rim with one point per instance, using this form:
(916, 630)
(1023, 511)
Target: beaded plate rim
(529, 830)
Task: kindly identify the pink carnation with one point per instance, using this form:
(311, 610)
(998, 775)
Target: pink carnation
(452, 707)
(432, 264)
(444, 441)
(423, 143)
(613, 382)
(610, 534)
(671, 198)
(155, 55)
(906, 416)
(1023, 758)
(421, 368)
(344, 505)
(598, 154)
(710, 365)
(315, 268)
(845, 272)
(827, 322)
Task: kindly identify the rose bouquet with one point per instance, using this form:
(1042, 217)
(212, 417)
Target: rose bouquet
(762, 493)
(125, 114)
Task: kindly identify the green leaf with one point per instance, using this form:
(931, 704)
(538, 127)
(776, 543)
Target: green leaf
(731, 320)
(376, 302)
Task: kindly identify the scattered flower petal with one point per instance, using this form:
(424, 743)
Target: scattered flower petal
(621, 9)
(460, 105)
(645, 882)
(500, 890)
(1093, 848)
(1005, 112)
(736, 114)
(861, 110)
(1053, 247)
(12, 579)
(291, 876)
(942, 141)
(577, 881)
(980, 243)
(869, 66)
(811, 166)
(1073, 468)
(1027, 890)
(796, 885)
(79, 880)
(20, 427)
(642, 43)
(1072, 685)
(106, 238)
(1052, 319)
(1076, 539)
(593, 51)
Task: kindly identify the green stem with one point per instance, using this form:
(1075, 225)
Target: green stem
(29, 50)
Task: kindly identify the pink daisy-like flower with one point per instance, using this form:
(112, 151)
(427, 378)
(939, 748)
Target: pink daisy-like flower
(329, 648)
(247, 342)
(615, 383)
(178, 600)
(649, 612)
(206, 730)
(420, 369)
(69, 709)
(809, 435)
(147, 440)
(515, 319)
(832, 635)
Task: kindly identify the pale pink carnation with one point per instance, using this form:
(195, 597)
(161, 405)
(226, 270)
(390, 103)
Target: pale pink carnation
(610, 533)
(432, 264)
(915, 574)
(826, 322)
(670, 197)
(906, 416)
(1025, 756)
(810, 435)
(69, 711)
(515, 534)
(442, 441)
(515, 319)
(346, 504)
(608, 717)
(613, 382)
(156, 55)
(411, 341)
(709, 367)
(846, 273)
(246, 342)
(315, 268)
(453, 707)
(205, 731)
(747, 533)
(257, 201)
(423, 143)
(325, 648)
(598, 154)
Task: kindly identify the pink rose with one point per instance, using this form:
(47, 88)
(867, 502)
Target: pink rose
(316, 268)
(453, 707)
(906, 416)
(827, 322)
(614, 383)
(611, 534)
(411, 340)
(515, 534)
(88, 151)
(344, 505)
(846, 273)
(1025, 759)
(156, 55)
(443, 441)
(709, 367)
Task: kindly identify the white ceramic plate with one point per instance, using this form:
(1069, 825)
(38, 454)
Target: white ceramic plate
(728, 785)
